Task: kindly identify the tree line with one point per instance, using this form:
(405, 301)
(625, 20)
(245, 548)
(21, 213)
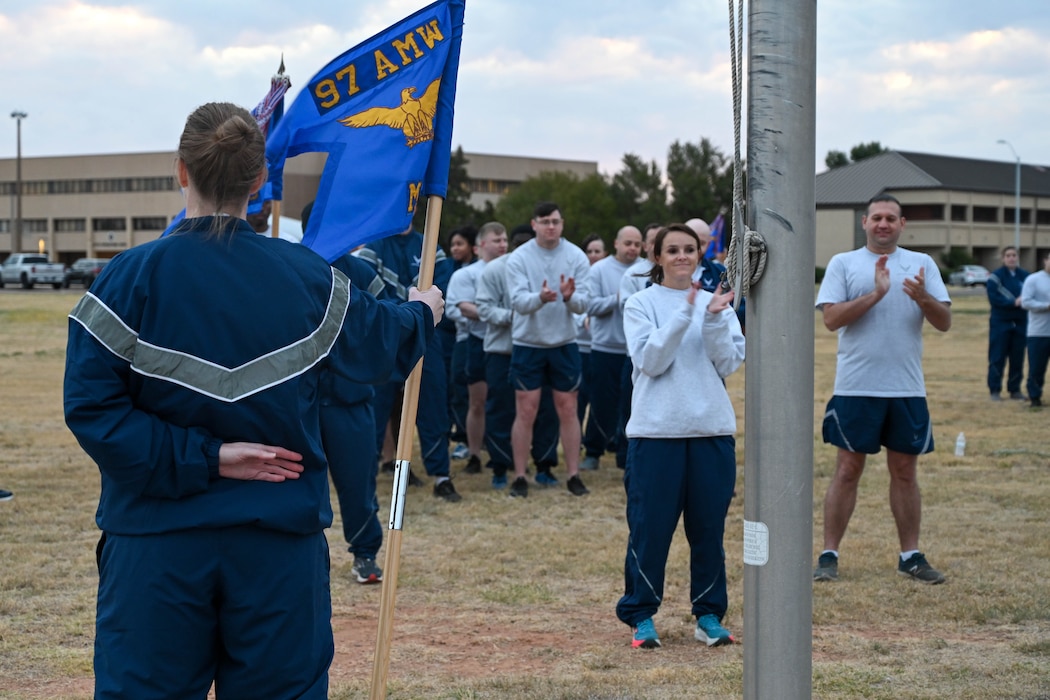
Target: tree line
(698, 182)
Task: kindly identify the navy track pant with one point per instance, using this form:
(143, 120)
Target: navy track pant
(348, 433)
(432, 419)
(1038, 357)
(246, 607)
(666, 479)
(601, 433)
(1006, 345)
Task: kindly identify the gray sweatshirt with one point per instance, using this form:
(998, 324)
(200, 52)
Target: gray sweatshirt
(493, 301)
(538, 324)
(681, 354)
(1035, 297)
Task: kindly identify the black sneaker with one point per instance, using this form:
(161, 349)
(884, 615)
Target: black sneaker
(576, 487)
(473, 465)
(919, 569)
(387, 467)
(445, 489)
(365, 571)
(414, 480)
(6, 495)
(1017, 396)
(827, 568)
(1037, 403)
(519, 488)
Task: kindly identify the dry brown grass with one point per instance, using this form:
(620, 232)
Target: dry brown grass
(501, 598)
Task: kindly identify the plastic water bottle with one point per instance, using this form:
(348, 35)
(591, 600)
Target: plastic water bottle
(960, 445)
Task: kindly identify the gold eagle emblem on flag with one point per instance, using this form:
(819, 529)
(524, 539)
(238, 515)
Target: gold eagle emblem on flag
(415, 118)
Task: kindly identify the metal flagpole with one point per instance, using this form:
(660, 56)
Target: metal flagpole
(778, 497)
(403, 459)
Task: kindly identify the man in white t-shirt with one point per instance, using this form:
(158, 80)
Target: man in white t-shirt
(877, 299)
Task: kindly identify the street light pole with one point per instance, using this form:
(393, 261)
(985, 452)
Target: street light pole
(16, 233)
(1017, 197)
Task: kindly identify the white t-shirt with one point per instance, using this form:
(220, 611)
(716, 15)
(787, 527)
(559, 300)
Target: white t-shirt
(880, 354)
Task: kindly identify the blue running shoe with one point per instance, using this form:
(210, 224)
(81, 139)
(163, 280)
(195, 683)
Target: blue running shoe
(645, 635)
(710, 631)
(499, 481)
(546, 479)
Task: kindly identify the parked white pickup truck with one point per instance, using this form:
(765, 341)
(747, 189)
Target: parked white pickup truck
(28, 269)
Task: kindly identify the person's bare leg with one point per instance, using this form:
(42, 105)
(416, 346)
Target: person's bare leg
(476, 417)
(526, 404)
(841, 498)
(905, 498)
(565, 405)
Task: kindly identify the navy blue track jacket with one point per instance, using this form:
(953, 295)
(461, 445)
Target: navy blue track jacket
(194, 340)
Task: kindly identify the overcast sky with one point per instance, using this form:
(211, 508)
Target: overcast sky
(577, 79)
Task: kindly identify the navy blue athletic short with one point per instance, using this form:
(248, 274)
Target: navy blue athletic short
(865, 423)
(475, 363)
(533, 368)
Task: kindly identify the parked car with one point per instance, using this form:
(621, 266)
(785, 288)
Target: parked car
(84, 271)
(968, 276)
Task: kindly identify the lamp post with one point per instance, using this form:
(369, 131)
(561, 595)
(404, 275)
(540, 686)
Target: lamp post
(16, 233)
(1017, 196)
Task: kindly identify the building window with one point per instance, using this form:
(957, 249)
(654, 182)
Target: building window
(1008, 215)
(923, 212)
(1042, 217)
(109, 224)
(34, 225)
(491, 186)
(958, 212)
(149, 223)
(986, 215)
(70, 225)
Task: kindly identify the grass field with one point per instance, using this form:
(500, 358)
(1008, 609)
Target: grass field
(502, 598)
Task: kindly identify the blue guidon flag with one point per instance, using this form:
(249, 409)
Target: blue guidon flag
(382, 112)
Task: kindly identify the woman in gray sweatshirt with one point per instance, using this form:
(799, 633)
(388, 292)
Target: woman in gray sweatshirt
(681, 455)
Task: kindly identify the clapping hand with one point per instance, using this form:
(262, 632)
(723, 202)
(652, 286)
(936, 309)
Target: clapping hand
(547, 294)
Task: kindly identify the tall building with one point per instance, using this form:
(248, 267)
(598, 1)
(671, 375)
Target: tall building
(99, 205)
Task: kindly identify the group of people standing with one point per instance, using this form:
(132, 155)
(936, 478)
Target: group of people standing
(1019, 322)
(215, 413)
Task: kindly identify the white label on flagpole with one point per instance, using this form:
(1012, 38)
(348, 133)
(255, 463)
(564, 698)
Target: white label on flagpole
(756, 543)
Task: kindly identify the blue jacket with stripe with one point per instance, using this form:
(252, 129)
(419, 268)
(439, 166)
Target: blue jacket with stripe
(194, 340)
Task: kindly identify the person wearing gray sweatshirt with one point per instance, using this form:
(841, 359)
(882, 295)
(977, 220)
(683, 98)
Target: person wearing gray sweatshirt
(608, 346)
(546, 279)
(1035, 298)
(681, 457)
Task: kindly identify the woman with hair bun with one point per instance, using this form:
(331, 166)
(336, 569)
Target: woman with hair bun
(681, 454)
(192, 380)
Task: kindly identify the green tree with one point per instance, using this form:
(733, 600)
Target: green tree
(866, 150)
(835, 159)
(639, 192)
(701, 178)
(585, 203)
(456, 210)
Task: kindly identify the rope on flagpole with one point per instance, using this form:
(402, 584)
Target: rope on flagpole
(746, 254)
(402, 463)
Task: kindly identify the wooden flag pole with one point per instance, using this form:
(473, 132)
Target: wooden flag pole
(275, 218)
(403, 458)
